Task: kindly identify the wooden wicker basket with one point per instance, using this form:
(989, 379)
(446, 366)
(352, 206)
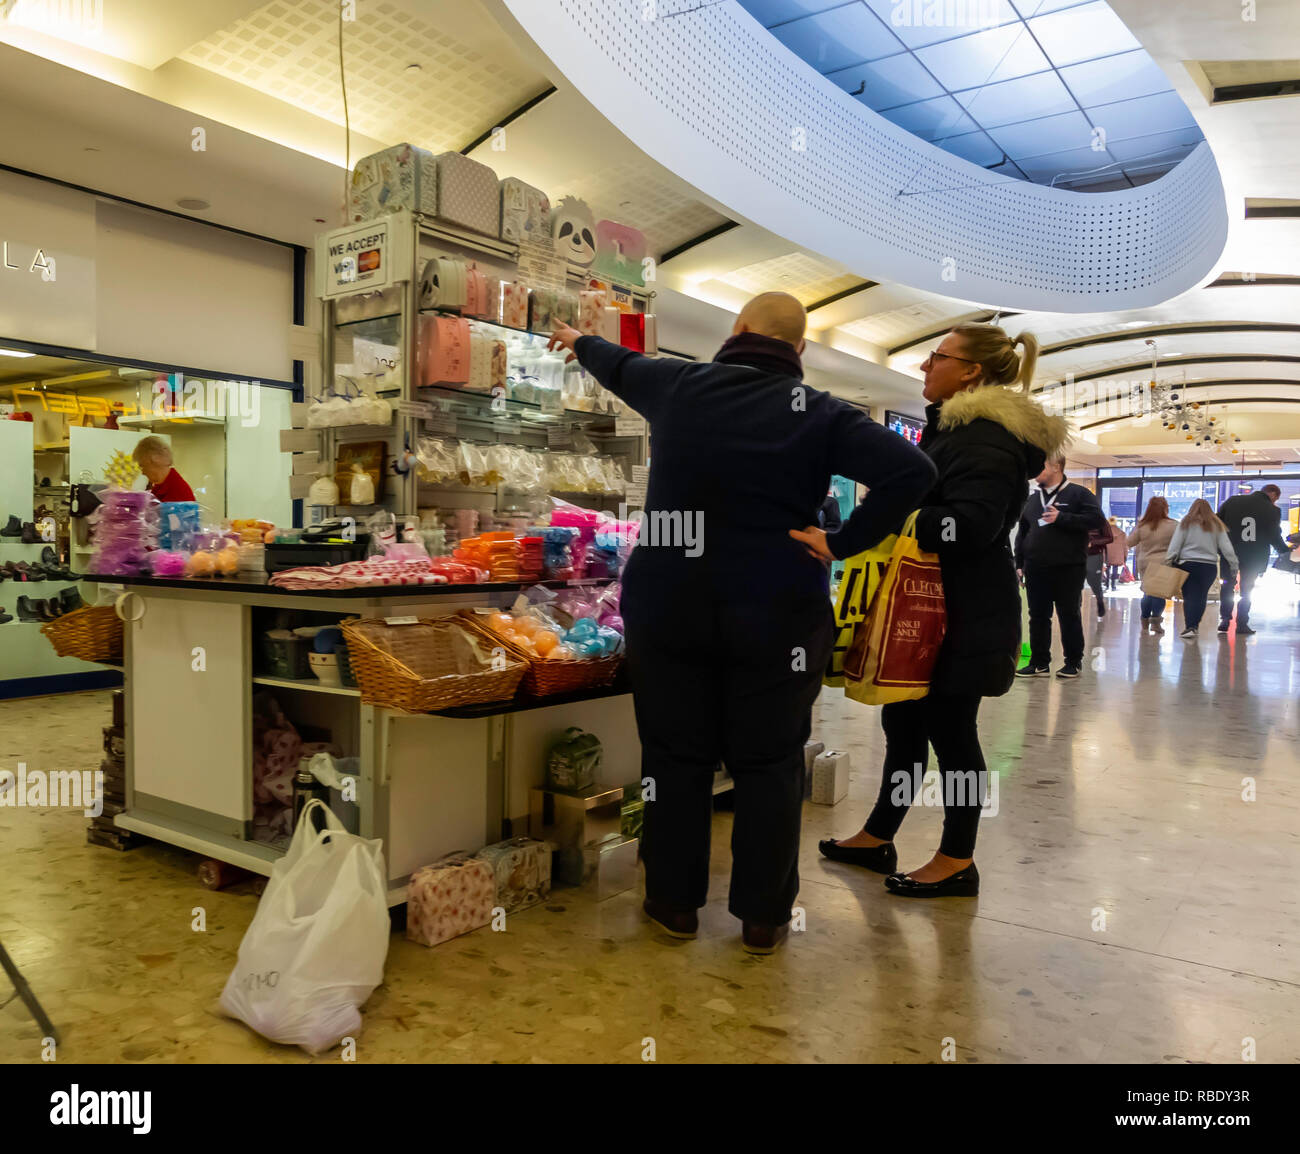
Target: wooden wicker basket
(419, 667)
(90, 634)
(547, 677)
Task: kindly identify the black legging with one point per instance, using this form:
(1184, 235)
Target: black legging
(911, 727)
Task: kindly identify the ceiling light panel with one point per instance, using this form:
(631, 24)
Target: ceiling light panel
(797, 273)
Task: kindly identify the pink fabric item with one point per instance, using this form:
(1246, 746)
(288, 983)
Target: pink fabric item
(375, 571)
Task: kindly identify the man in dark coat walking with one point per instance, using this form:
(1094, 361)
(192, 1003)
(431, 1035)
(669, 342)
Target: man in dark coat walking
(727, 642)
(1254, 526)
(1052, 556)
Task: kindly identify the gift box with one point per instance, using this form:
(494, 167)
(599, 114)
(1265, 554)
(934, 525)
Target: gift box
(469, 194)
(452, 896)
(610, 867)
(514, 304)
(522, 869)
(399, 177)
(830, 778)
(444, 350)
(525, 212)
(573, 819)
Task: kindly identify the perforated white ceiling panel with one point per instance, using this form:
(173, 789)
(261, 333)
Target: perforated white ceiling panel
(470, 72)
(708, 92)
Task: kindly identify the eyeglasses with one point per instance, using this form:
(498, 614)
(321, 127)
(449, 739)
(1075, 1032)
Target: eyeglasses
(936, 354)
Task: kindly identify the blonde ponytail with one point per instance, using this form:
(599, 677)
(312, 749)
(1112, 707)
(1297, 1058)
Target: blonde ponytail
(995, 353)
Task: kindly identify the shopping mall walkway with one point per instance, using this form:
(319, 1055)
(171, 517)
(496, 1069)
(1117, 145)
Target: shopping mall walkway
(1120, 796)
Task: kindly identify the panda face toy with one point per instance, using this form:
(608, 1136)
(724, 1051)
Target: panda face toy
(430, 291)
(574, 229)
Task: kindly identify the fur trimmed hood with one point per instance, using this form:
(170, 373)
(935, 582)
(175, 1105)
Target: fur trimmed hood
(1022, 417)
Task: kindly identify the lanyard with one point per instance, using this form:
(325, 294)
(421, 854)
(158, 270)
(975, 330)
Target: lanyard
(1055, 493)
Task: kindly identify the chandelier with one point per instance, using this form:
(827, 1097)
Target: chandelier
(1191, 420)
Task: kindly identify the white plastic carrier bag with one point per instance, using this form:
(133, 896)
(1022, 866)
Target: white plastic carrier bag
(315, 949)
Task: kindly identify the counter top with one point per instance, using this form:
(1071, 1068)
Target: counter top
(260, 583)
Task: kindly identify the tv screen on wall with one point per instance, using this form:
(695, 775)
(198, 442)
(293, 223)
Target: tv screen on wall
(904, 426)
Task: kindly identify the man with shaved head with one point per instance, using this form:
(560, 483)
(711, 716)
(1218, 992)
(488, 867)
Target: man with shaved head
(728, 618)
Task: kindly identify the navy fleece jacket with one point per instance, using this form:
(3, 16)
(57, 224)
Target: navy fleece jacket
(744, 442)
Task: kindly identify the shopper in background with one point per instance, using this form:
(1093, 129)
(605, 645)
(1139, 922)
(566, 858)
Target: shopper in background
(1116, 555)
(1254, 526)
(1051, 556)
(728, 636)
(154, 456)
(1151, 537)
(1092, 572)
(986, 441)
(1197, 544)
(828, 516)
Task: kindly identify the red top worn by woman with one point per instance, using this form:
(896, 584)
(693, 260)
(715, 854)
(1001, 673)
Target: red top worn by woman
(172, 487)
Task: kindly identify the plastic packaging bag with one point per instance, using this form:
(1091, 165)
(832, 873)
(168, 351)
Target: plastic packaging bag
(315, 949)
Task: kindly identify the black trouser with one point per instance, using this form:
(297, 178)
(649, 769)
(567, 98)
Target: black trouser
(1092, 571)
(1200, 576)
(911, 727)
(1228, 591)
(1059, 587)
(1112, 575)
(715, 679)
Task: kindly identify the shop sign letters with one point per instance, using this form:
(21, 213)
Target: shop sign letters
(16, 259)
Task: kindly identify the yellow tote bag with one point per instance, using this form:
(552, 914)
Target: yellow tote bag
(857, 588)
(893, 650)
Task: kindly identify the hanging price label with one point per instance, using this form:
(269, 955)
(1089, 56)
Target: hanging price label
(631, 426)
(418, 409)
(559, 437)
(443, 424)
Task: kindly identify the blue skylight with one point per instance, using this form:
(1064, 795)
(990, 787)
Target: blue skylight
(1055, 92)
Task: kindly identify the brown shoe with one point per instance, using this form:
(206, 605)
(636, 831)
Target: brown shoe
(756, 938)
(675, 923)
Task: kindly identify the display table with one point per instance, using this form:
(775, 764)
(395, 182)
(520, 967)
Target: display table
(428, 784)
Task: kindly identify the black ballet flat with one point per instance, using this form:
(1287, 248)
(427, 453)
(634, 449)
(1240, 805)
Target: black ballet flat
(881, 858)
(963, 884)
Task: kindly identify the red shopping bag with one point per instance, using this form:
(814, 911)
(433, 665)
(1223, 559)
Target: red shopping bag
(893, 651)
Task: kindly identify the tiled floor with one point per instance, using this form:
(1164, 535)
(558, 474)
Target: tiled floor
(1121, 799)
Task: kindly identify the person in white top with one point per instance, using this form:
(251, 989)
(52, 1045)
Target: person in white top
(1195, 548)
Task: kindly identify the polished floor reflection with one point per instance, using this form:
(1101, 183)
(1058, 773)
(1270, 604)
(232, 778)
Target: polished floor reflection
(1139, 904)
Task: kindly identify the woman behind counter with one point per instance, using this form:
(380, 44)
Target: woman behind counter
(154, 456)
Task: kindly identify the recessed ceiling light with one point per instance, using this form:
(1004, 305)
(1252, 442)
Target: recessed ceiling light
(15, 353)
(413, 68)
(192, 203)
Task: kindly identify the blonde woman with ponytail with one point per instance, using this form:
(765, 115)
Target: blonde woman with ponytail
(987, 438)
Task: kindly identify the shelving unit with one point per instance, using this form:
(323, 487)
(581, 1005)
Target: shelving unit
(479, 416)
(311, 686)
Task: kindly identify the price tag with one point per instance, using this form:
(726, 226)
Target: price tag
(540, 266)
(636, 496)
(640, 474)
(417, 409)
(401, 621)
(442, 423)
(559, 438)
(632, 426)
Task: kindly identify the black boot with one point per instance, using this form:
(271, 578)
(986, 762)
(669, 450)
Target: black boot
(13, 529)
(29, 534)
